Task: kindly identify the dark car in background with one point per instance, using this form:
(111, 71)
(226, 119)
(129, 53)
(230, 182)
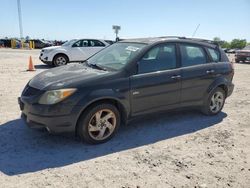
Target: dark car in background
(2, 43)
(39, 44)
(243, 55)
(126, 80)
(6, 43)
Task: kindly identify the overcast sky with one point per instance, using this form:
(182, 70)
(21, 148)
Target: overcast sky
(67, 19)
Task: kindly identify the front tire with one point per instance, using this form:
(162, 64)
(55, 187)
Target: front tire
(60, 60)
(99, 123)
(215, 102)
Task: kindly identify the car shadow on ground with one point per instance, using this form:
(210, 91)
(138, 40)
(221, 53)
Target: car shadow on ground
(43, 67)
(23, 150)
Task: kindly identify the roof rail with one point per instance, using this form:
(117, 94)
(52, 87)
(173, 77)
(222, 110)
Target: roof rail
(174, 37)
(195, 39)
(203, 40)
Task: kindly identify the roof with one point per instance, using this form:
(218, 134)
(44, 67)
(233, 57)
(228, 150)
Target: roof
(152, 40)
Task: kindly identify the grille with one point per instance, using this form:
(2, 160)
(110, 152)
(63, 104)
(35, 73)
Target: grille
(30, 91)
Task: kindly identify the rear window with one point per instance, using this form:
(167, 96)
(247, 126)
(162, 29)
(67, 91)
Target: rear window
(214, 54)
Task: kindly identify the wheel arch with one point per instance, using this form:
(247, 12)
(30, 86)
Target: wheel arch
(109, 100)
(222, 83)
(60, 53)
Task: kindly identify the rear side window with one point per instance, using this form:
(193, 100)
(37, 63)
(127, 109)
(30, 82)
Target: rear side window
(96, 43)
(159, 58)
(192, 55)
(214, 54)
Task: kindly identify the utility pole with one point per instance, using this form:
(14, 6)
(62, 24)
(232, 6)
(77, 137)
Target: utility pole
(196, 30)
(20, 18)
(116, 29)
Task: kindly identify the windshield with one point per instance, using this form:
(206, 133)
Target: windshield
(69, 43)
(116, 56)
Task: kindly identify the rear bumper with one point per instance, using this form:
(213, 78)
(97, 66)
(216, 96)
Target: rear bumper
(230, 89)
(54, 123)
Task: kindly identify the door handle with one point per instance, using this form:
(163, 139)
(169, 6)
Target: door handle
(176, 77)
(210, 71)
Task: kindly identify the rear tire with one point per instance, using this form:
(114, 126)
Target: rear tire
(60, 60)
(99, 123)
(215, 102)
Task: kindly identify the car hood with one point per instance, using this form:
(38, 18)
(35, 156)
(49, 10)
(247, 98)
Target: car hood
(65, 76)
(52, 47)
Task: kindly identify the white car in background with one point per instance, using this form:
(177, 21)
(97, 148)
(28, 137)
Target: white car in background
(75, 50)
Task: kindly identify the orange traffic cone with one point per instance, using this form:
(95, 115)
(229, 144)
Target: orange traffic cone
(31, 66)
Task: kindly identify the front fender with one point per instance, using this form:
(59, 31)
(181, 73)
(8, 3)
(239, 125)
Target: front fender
(58, 51)
(121, 97)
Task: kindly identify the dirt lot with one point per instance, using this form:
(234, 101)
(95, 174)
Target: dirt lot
(181, 149)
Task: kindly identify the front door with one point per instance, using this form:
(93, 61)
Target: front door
(156, 86)
(79, 51)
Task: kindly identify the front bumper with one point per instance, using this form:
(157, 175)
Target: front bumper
(44, 60)
(44, 57)
(56, 119)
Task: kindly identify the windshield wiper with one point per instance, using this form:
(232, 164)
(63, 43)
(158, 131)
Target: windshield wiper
(96, 66)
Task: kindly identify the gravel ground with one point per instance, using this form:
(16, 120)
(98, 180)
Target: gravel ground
(181, 149)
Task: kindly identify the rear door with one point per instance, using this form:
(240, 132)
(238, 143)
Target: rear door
(95, 46)
(197, 73)
(156, 86)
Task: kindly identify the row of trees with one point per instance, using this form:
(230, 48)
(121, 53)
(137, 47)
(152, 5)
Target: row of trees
(235, 43)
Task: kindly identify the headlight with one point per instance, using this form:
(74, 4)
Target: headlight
(55, 96)
(47, 50)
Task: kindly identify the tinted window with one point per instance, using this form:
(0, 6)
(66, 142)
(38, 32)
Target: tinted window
(192, 55)
(214, 54)
(159, 58)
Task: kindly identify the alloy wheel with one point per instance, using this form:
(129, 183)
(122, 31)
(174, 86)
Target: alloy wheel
(216, 102)
(61, 61)
(102, 124)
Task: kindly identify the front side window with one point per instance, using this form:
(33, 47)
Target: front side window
(77, 44)
(159, 58)
(85, 43)
(69, 43)
(117, 55)
(214, 54)
(192, 55)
